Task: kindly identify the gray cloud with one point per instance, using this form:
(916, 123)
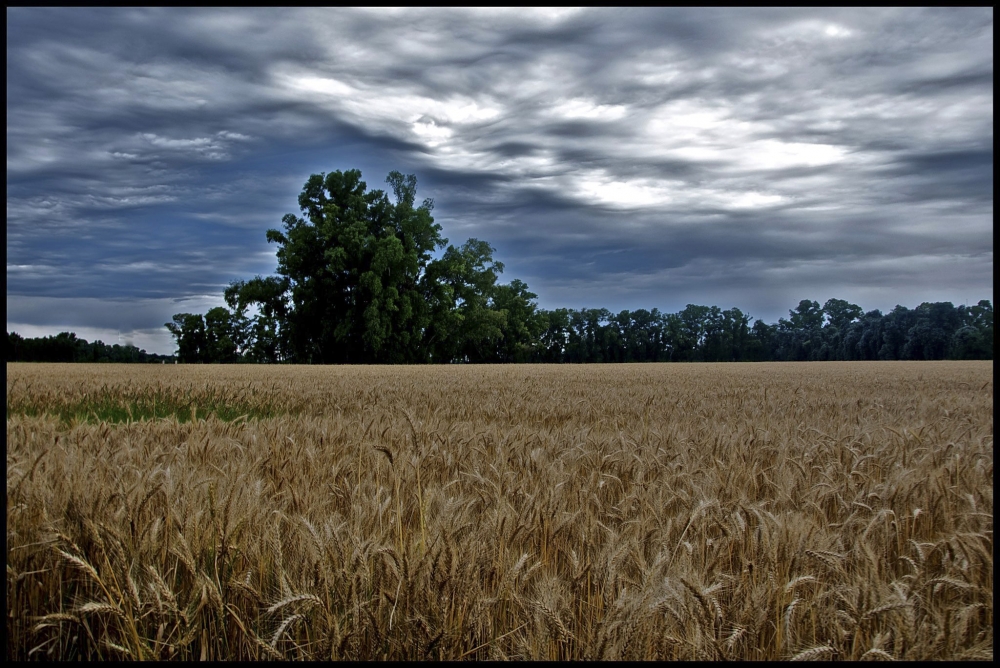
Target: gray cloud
(615, 157)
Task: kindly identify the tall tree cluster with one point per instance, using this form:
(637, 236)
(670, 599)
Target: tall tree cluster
(363, 277)
(357, 282)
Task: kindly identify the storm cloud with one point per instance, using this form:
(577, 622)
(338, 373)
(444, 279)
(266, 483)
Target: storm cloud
(618, 158)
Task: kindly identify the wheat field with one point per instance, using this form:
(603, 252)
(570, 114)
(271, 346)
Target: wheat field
(687, 511)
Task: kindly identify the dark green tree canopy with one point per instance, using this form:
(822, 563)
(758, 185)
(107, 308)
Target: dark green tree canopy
(358, 282)
(354, 271)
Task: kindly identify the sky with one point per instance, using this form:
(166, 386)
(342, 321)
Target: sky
(615, 158)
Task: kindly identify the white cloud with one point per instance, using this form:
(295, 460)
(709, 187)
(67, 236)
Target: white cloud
(325, 85)
(808, 30)
(234, 136)
(776, 154)
(432, 133)
(583, 108)
(603, 189)
(834, 30)
(394, 111)
(752, 200)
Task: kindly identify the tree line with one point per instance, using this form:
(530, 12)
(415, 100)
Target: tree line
(357, 282)
(66, 347)
(931, 331)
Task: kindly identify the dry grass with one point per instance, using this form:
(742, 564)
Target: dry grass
(770, 511)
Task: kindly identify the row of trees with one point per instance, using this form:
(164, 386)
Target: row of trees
(836, 331)
(357, 282)
(65, 347)
(932, 331)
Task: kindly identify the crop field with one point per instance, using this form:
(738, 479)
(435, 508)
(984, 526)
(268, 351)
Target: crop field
(831, 510)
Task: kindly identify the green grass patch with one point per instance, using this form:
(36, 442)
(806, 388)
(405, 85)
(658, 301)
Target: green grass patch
(119, 405)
